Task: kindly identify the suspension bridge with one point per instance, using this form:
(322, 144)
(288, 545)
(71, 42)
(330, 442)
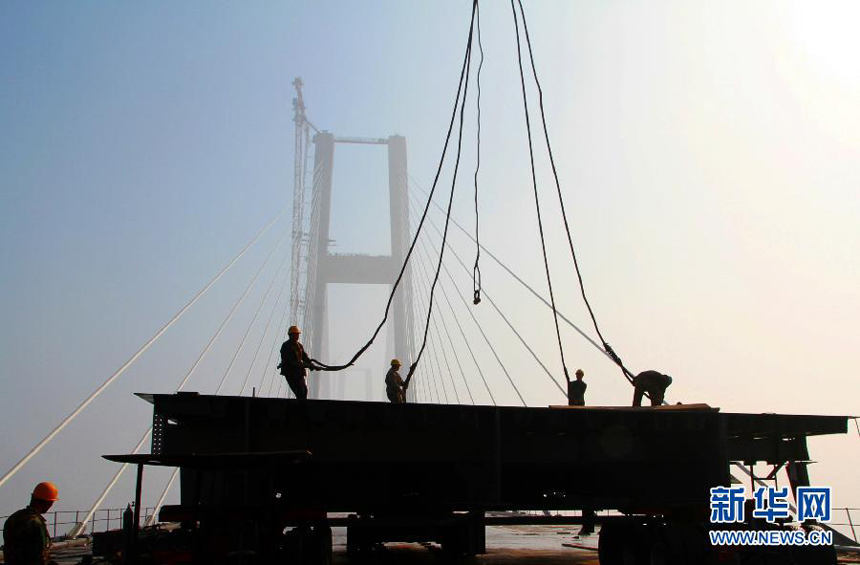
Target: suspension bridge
(428, 310)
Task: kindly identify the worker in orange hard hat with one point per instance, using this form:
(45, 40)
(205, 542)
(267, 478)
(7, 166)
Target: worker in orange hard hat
(294, 364)
(395, 387)
(25, 535)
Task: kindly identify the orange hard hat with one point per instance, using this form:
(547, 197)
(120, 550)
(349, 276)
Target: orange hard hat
(293, 330)
(46, 491)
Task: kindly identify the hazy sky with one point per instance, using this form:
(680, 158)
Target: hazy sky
(707, 153)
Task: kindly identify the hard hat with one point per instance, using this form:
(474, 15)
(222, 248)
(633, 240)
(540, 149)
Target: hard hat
(46, 491)
(293, 330)
(395, 362)
(580, 372)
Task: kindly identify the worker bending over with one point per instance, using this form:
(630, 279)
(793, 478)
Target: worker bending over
(576, 389)
(395, 387)
(295, 363)
(652, 382)
(25, 536)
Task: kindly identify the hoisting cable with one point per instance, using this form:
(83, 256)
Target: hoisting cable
(609, 351)
(481, 329)
(414, 364)
(516, 277)
(508, 322)
(453, 351)
(537, 199)
(476, 270)
(457, 320)
(434, 367)
(460, 89)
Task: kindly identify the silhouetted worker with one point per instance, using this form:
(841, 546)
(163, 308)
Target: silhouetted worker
(395, 388)
(588, 519)
(25, 536)
(576, 389)
(294, 364)
(652, 382)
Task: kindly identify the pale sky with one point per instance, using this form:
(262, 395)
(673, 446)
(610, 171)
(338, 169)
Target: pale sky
(707, 154)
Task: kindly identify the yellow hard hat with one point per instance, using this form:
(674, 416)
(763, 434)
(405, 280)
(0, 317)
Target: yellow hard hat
(293, 330)
(46, 491)
(395, 362)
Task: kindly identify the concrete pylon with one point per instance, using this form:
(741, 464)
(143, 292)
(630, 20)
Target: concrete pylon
(359, 269)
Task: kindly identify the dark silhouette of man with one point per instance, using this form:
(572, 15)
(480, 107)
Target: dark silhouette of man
(25, 535)
(395, 387)
(295, 363)
(576, 389)
(652, 382)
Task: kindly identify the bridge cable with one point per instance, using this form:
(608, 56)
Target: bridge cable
(78, 528)
(460, 327)
(476, 270)
(481, 330)
(453, 350)
(257, 313)
(38, 447)
(460, 88)
(516, 277)
(508, 322)
(537, 199)
(434, 362)
(414, 364)
(465, 340)
(266, 329)
(606, 346)
(272, 353)
(161, 498)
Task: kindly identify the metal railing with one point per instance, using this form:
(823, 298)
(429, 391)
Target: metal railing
(61, 522)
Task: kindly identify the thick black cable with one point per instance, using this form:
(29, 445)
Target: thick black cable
(414, 364)
(517, 278)
(537, 199)
(435, 376)
(476, 270)
(460, 89)
(453, 350)
(508, 322)
(435, 365)
(463, 334)
(483, 334)
(606, 346)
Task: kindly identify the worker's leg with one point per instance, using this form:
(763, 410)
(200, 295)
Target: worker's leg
(637, 396)
(588, 516)
(392, 396)
(298, 386)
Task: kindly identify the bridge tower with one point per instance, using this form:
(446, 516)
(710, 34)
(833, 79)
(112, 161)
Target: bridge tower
(324, 267)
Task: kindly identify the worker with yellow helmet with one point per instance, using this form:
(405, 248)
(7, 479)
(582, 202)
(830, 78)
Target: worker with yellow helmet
(294, 364)
(25, 535)
(395, 387)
